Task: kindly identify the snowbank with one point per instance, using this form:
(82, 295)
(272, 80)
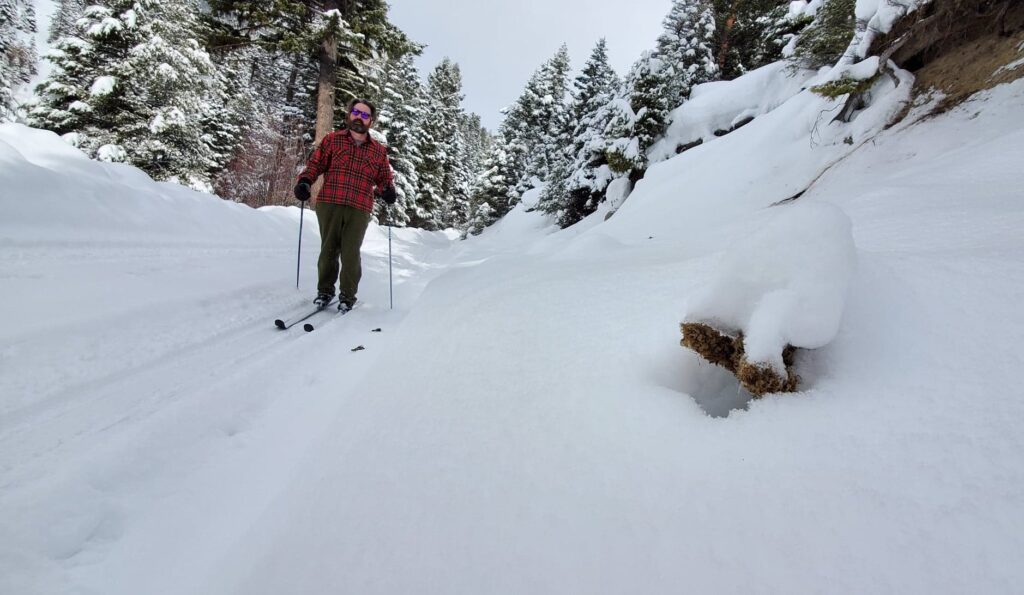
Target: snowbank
(783, 284)
(50, 189)
(700, 192)
(720, 105)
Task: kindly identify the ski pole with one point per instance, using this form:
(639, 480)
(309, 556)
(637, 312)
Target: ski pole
(391, 286)
(298, 261)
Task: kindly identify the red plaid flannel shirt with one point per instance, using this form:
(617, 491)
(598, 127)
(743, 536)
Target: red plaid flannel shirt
(350, 170)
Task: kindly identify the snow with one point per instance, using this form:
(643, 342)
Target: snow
(526, 421)
(1008, 67)
(167, 72)
(720, 105)
(105, 27)
(880, 16)
(103, 85)
(783, 283)
(863, 70)
(112, 154)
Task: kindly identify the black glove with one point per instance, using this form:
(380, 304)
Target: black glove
(389, 195)
(302, 190)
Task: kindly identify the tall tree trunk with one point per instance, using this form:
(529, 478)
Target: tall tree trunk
(730, 21)
(328, 57)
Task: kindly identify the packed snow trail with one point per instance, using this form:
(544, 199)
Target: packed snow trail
(121, 409)
(139, 360)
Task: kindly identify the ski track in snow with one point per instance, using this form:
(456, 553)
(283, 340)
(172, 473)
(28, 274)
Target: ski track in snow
(133, 378)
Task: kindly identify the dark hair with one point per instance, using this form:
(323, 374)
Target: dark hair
(352, 104)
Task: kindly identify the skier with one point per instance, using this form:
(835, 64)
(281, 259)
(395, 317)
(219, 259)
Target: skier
(353, 166)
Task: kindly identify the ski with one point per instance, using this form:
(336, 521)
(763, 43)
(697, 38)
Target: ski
(308, 327)
(290, 322)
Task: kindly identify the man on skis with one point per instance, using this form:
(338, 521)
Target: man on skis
(354, 166)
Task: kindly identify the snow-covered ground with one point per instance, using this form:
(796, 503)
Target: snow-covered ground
(526, 421)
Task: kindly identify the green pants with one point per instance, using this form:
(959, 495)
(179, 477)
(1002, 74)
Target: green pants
(341, 235)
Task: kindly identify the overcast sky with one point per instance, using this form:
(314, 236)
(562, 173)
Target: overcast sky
(499, 43)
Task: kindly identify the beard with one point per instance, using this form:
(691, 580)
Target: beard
(357, 125)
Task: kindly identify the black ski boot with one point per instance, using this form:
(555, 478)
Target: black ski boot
(322, 299)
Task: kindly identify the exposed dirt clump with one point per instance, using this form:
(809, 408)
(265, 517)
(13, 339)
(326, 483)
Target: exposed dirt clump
(726, 350)
(959, 47)
(981, 64)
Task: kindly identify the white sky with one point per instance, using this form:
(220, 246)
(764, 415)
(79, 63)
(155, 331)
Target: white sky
(499, 43)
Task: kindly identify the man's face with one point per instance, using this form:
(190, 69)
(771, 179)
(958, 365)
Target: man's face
(359, 119)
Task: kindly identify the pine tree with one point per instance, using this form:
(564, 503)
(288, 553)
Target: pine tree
(491, 200)
(17, 51)
(515, 140)
(575, 192)
(825, 40)
(441, 144)
(475, 141)
(553, 117)
(545, 122)
(750, 34)
(366, 57)
(271, 46)
(63, 23)
(659, 82)
(401, 109)
(686, 47)
(136, 86)
(637, 116)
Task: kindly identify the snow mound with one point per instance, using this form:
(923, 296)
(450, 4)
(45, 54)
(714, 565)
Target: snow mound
(722, 105)
(52, 190)
(783, 284)
(777, 156)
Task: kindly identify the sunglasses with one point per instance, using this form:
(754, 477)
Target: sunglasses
(361, 114)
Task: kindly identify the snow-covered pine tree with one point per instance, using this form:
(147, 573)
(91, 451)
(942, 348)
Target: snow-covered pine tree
(575, 192)
(490, 198)
(270, 47)
(17, 51)
(659, 82)
(137, 86)
(366, 58)
(63, 23)
(514, 136)
(277, 129)
(552, 115)
(546, 121)
(827, 38)
(638, 116)
(475, 142)
(750, 34)
(686, 47)
(401, 109)
(226, 121)
(441, 145)
(478, 141)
